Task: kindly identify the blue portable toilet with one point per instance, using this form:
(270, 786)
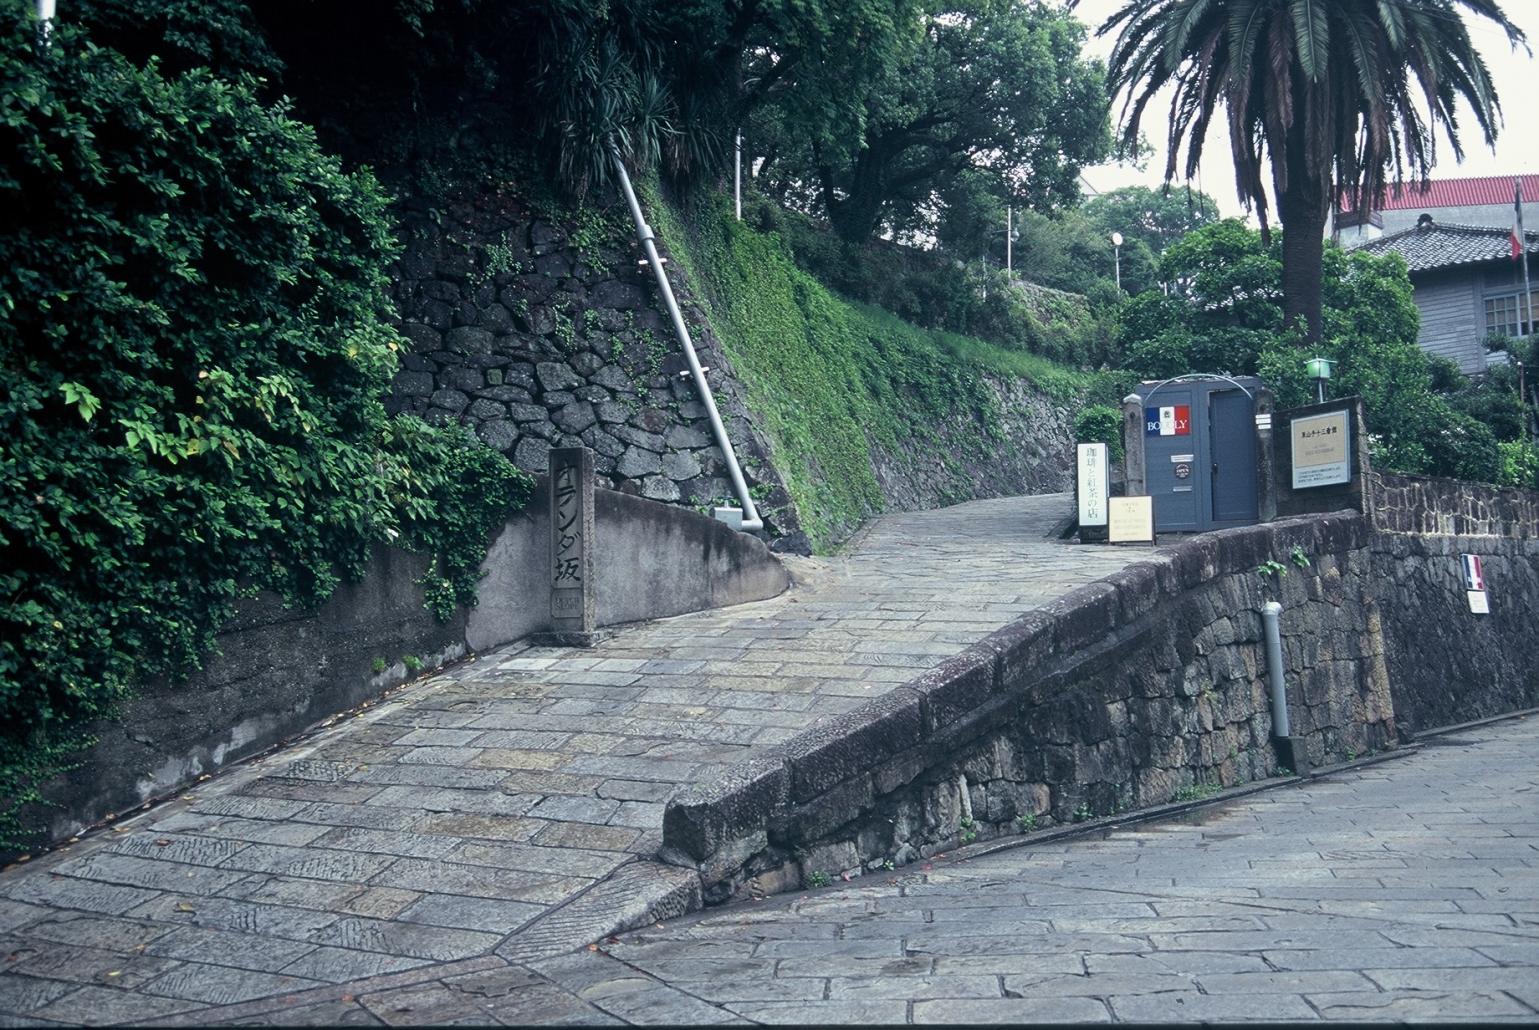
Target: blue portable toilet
(1199, 440)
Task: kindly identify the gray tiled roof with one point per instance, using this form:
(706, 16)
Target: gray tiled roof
(1440, 246)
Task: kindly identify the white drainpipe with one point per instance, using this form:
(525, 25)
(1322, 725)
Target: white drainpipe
(746, 519)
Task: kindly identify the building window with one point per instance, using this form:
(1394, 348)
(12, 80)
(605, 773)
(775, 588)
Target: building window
(1508, 316)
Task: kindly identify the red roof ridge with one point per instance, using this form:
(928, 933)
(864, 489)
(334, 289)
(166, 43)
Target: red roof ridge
(1472, 191)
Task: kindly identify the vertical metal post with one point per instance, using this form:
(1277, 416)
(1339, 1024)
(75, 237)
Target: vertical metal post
(1009, 241)
(1270, 613)
(1528, 291)
(1117, 263)
(45, 11)
(737, 176)
(1290, 749)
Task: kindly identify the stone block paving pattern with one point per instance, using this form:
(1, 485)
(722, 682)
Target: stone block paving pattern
(503, 809)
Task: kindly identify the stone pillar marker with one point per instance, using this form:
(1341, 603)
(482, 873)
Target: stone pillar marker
(573, 613)
(1133, 446)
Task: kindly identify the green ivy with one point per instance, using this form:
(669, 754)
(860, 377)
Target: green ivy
(832, 378)
(195, 337)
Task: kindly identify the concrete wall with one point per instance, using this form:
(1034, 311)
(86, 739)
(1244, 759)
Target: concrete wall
(651, 561)
(1120, 695)
(281, 671)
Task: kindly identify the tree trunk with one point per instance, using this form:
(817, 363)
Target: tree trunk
(1303, 208)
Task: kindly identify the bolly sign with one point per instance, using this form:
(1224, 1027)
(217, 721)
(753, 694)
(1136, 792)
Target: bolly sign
(1172, 420)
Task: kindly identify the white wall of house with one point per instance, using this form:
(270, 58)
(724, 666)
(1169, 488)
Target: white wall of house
(1452, 310)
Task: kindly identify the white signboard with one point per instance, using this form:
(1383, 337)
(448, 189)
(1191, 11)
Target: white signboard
(1094, 484)
(1131, 520)
(1321, 451)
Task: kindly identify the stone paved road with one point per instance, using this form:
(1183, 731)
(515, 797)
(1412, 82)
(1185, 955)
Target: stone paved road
(1406, 890)
(452, 826)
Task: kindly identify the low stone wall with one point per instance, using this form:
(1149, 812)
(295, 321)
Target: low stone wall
(1432, 505)
(281, 671)
(1124, 694)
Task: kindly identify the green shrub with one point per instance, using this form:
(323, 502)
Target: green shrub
(194, 337)
(1520, 464)
(1100, 423)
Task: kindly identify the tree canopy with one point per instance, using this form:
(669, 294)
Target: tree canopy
(1333, 96)
(992, 99)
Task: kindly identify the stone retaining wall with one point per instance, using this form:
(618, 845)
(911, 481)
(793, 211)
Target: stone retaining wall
(1432, 505)
(1448, 665)
(538, 341)
(539, 336)
(1128, 693)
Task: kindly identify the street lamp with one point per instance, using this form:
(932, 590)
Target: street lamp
(1319, 369)
(1116, 239)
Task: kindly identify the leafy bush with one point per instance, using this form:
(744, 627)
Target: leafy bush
(1100, 423)
(1519, 464)
(194, 342)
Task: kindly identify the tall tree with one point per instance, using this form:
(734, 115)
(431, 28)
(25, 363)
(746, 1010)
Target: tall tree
(1333, 93)
(993, 85)
(1149, 221)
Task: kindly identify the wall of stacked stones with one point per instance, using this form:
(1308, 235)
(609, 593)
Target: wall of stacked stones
(536, 337)
(1131, 692)
(1448, 664)
(1431, 505)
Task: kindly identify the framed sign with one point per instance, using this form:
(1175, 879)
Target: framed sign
(1321, 449)
(1130, 520)
(1094, 484)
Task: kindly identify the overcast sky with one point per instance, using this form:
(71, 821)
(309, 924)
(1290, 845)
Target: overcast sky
(1517, 144)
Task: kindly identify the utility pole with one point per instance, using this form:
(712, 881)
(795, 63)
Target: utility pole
(737, 176)
(1009, 241)
(45, 10)
(1116, 238)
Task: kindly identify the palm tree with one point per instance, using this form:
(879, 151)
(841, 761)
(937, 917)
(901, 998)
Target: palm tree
(1334, 92)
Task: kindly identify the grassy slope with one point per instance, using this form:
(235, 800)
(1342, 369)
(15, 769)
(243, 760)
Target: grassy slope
(831, 378)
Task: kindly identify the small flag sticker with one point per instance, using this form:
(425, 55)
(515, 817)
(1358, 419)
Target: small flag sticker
(1474, 574)
(1171, 420)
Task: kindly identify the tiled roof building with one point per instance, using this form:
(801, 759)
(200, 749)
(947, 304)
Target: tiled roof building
(1467, 285)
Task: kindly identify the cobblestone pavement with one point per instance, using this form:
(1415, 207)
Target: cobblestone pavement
(504, 809)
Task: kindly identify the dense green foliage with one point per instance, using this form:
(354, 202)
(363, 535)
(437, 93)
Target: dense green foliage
(833, 379)
(194, 340)
(1226, 316)
(1101, 423)
(994, 94)
(422, 83)
(1149, 221)
(1332, 95)
(933, 291)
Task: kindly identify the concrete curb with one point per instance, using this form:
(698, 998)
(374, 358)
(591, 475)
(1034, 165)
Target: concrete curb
(1459, 727)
